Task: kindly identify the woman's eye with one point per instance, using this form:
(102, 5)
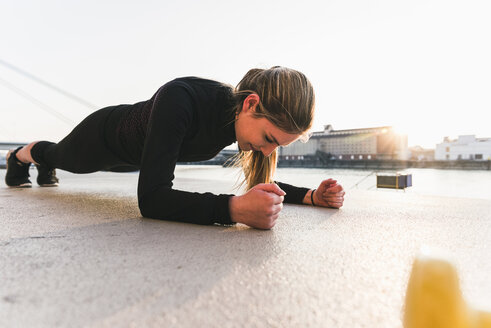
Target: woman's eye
(268, 140)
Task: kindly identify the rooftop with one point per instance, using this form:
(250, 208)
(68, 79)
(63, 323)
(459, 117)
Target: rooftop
(80, 255)
(329, 131)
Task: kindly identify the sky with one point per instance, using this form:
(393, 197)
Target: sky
(420, 66)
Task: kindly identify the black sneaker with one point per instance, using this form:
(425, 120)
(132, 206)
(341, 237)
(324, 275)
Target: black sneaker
(46, 176)
(17, 175)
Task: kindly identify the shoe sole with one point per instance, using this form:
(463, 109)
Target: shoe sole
(24, 185)
(49, 185)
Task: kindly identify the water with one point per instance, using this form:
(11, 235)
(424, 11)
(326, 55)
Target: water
(451, 183)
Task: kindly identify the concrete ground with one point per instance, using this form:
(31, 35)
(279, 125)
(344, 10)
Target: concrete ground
(81, 256)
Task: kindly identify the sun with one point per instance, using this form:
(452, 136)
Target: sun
(400, 129)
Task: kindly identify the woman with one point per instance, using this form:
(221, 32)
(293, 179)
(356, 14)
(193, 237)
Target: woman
(192, 119)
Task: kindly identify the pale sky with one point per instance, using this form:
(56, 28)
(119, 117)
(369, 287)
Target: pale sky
(421, 66)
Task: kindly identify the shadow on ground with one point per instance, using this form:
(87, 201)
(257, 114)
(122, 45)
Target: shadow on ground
(82, 253)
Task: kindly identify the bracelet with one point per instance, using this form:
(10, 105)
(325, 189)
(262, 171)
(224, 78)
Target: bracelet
(312, 197)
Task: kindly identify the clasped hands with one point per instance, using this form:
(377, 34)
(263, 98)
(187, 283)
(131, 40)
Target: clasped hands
(260, 207)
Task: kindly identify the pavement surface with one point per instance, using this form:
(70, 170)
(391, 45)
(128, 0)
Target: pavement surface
(81, 255)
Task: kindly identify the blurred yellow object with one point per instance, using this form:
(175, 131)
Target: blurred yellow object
(434, 299)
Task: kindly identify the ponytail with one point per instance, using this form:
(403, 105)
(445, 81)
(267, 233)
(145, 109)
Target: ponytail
(256, 167)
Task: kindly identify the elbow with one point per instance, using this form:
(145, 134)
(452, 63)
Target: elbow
(144, 209)
(149, 210)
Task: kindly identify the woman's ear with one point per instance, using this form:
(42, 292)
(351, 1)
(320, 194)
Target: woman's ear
(251, 102)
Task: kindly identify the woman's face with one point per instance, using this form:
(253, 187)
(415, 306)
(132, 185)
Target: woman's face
(259, 134)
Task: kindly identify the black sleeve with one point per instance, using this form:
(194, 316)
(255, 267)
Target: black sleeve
(294, 195)
(171, 117)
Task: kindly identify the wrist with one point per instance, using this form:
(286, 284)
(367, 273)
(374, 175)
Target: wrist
(312, 197)
(232, 205)
(307, 199)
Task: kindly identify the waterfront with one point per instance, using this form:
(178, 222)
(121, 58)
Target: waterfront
(387, 164)
(434, 182)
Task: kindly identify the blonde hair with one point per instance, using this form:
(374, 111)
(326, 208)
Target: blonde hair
(287, 100)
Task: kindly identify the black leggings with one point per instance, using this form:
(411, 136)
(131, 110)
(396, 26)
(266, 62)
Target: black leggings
(87, 148)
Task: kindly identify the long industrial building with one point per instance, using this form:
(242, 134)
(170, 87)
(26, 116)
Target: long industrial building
(381, 143)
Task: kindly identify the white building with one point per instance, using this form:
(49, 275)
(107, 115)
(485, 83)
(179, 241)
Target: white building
(465, 147)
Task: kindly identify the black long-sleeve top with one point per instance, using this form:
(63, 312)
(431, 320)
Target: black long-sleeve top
(188, 119)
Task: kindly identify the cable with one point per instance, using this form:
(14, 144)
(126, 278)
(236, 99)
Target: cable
(363, 179)
(49, 85)
(37, 102)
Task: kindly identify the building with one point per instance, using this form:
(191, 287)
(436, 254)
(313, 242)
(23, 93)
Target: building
(352, 144)
(466, 147)
(418, 153)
